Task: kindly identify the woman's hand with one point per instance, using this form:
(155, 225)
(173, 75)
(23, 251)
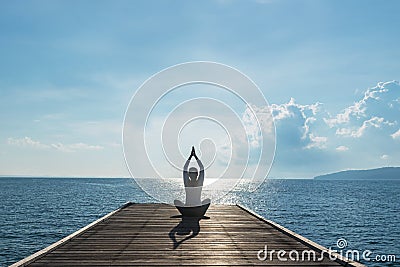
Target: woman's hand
(194, 153)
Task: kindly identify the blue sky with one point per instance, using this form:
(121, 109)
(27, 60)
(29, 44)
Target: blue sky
(68, 70)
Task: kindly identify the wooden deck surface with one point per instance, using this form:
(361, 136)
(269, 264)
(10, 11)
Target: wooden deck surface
(154, 234)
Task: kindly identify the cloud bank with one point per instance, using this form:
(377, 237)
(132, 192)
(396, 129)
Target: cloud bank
(28, 142)
(310, 139)
(368, 131)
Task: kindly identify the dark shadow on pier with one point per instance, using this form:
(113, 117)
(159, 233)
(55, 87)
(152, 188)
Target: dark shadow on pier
(189, 227)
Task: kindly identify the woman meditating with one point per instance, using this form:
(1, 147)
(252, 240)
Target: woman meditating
(193, 181)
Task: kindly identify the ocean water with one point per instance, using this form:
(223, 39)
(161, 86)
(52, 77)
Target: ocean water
(36, 212)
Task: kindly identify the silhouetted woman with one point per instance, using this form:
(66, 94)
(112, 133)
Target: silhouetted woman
(193, 181)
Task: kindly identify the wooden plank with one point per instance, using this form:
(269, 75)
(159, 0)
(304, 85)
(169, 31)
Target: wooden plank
(57, 244)
(153, 234)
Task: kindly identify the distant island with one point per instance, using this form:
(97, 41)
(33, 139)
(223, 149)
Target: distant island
(386, 173)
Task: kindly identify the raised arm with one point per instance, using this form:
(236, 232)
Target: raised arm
(185, 171)
(200, 179)
(185, 167)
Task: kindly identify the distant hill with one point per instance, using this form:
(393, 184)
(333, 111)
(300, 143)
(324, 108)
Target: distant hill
(386, 173)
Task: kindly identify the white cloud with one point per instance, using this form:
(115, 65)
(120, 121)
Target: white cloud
(385, 157)
(356, 133)
(379, 108)
(29, 142)
(355, 110)
(295, 121)
(396, 135)
(257, 121)
(375, 102)
(292, 108)
(342, 148)
(252, 128)
(26, 142)
(317, 142)
(75, 147)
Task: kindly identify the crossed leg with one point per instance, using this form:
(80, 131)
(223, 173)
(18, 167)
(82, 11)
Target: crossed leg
(181, 204)
(178, 203)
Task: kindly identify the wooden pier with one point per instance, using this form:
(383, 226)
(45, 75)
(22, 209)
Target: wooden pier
(155, 234)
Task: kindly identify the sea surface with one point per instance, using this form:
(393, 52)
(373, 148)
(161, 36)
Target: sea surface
(36, 212)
